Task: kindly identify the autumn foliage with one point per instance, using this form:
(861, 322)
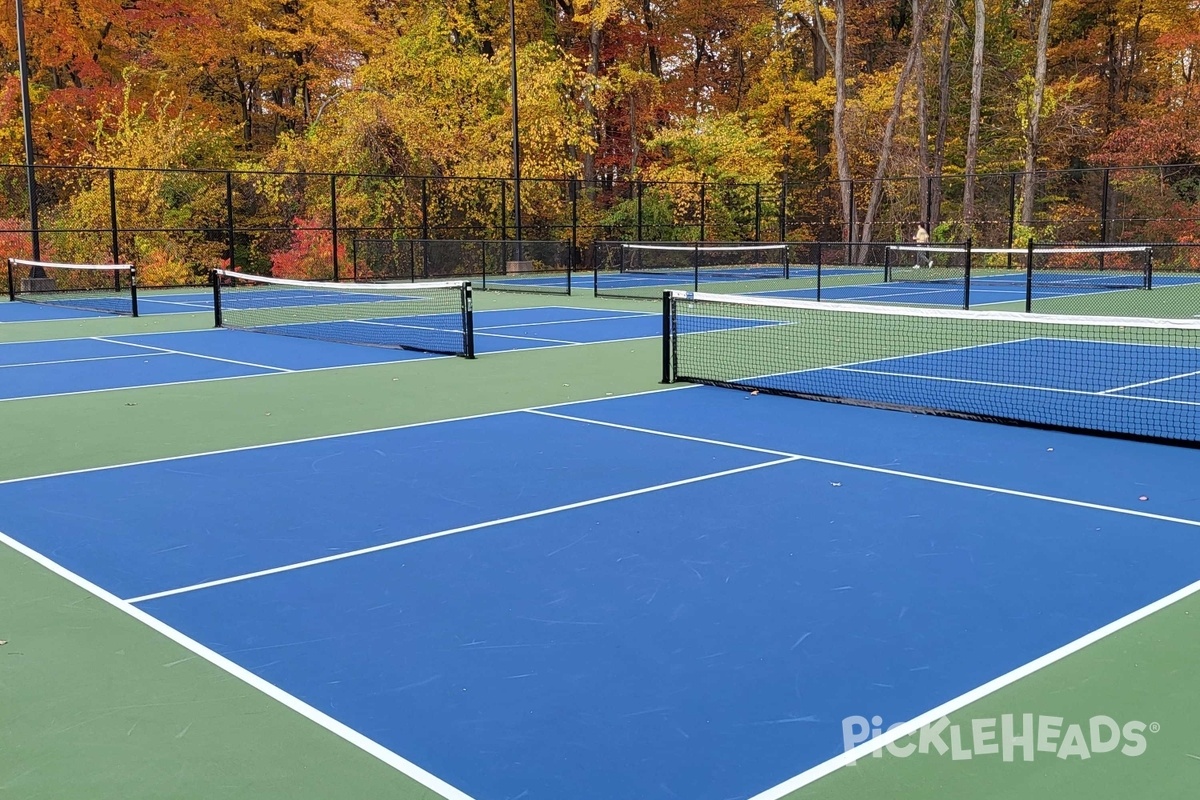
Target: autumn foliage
(680, 93)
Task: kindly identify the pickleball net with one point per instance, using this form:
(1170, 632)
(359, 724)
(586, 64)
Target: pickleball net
(1129, 377)
(106, 288)
(427, 317)
(1091, 267)
(713, 261)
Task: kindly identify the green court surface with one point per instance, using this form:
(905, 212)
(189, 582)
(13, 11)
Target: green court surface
(96, 703)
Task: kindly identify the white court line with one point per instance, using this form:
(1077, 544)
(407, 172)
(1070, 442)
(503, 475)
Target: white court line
(1104, 393)
(80, 360)
(991, 687)
(886, 471)
(166, 350)
(454, 531)
(369, 746)
(630, 315)
(1151, 383)
(414, 360)
(527, 338)
(328, 436)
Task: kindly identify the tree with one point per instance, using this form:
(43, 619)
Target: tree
(972, 159)
(1029, 179)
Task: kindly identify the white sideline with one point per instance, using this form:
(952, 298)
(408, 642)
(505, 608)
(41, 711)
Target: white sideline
(369, 746)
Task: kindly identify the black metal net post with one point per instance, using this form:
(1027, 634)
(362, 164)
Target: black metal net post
(1028, 276)
(967, 278)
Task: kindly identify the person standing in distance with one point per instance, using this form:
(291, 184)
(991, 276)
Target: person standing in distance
(921, 239)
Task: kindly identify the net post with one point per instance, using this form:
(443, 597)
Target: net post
(696, 267)
(1149, 279)
(215, 278)
(595, 269)
(12, 286)
(668, 327)
(468, 313)
(820, 267)
(1029, 276)
(133, 282)
(887, 263)
(787, 263)
(967, 277)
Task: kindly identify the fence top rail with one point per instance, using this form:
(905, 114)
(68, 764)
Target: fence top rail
(614, 180)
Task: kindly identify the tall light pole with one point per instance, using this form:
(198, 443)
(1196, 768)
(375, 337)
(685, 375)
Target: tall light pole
(30, 178)
(516, 122)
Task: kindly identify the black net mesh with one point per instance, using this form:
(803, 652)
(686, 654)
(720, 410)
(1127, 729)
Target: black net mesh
(106, 288)
(1137, 378)
(430, 317)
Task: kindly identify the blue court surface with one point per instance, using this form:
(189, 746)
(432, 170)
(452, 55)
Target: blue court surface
(680, 594)
(65, 366)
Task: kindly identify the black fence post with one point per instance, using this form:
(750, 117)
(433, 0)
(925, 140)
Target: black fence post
(703, 210)
(783, 211)
(229, 217)
(929, 203)
(1012, 208)
(354, 256)
(503, 210)
(820, 251)
(425, 209)
(1104, 203)
(333, 222)
(112, 215)
(571, 263)
(850, 226)
(641, 187)
(758, 212)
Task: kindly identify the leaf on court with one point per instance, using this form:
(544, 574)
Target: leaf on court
(3, 642)
(1143, 498)
(754, 393)
(834, 484)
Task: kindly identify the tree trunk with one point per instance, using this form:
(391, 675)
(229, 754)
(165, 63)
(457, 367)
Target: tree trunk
(839, 111)
(922, 130)
(939, 143)
(593, 71)
(889, 130)
(972, 161)
(1029, 184)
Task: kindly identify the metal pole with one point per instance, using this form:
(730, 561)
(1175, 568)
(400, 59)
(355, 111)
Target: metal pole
(1029, 276)
(516, 136)
(571, 262)
(424, 208)
(503, 210)
(1104, 202)
(30, 159)
(758, 212)
(783, 212)
(967, 278)
(1012, 214)
(333, 222)
(640, 188)
(112, 214)
(229, 216)
(703, 192)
